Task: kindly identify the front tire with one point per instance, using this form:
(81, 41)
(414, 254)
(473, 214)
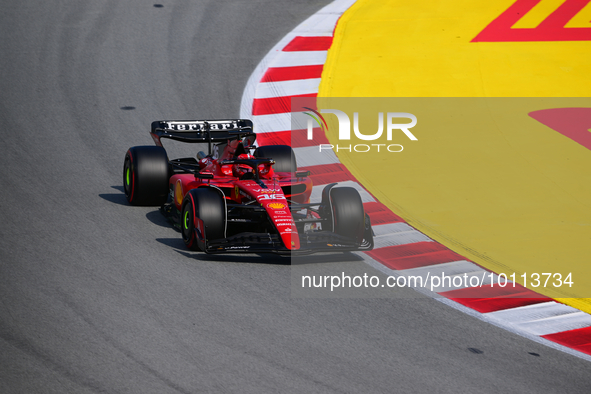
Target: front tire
(348, 213)
(205, 204)
(145, 175)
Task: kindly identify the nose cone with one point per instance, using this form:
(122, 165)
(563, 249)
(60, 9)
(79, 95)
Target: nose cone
(281, 217)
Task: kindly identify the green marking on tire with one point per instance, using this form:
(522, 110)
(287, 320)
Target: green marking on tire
(127, 176)
(186, 220)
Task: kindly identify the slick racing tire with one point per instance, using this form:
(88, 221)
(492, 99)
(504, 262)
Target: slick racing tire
(348, 213)
(145, 175)
(206, 204)
(285, 160)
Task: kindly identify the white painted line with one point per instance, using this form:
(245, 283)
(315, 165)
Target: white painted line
(317, 190)
(304, 58)
(452, 276)
(287, 88)
(319, 25)
(337, 7)
(449, 269)
(285, 121)
(533, 312)
(278, 122)
(544, 318)
(553, 325)
(393, 234)
(382, 230)
(271, 123)
(462, 281)
(409, 237)
(310, 156)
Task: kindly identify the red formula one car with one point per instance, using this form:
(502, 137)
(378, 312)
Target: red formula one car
(241, 198)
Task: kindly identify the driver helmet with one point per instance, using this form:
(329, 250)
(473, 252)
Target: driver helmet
(240, 169)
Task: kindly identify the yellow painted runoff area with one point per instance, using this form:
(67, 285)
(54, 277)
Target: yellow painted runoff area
(537, 14)
(484, 177)
(582, 19)
(394, 48)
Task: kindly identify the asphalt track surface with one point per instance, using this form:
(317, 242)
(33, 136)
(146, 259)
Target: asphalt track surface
(97, 296)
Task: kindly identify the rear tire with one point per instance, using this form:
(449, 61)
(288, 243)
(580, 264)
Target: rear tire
(146, 175)
(207, 204)
(285, 160)
(348, 213)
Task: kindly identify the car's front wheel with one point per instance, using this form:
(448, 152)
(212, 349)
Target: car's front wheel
(204, 210)
(348, 213)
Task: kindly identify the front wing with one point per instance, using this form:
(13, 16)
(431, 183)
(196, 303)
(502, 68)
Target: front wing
(310, 242)
(253, 242)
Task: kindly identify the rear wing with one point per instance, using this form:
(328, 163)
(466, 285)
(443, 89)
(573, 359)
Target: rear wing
(203, 131)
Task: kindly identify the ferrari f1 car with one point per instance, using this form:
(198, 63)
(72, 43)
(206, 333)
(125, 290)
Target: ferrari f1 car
(241, 198)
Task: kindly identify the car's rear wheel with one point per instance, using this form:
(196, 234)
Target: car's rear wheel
(206, 204)
(285, 160)
(145, 175)
(348, 213)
